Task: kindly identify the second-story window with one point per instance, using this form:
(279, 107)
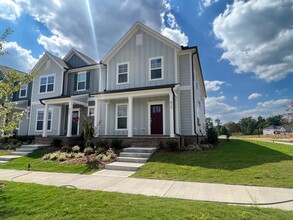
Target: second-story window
(81, 81)
(122, 73)
(47, 84)
(23, 91)
(156, 69)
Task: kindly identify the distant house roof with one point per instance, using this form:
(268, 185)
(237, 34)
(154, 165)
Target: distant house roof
(59, 60)
(7, 69)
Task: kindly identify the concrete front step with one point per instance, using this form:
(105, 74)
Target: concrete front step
(20, 153)
(123, 166)
(131, 154)
(140, 149)
(9, 157)
(35, 146)
(132, 159)
(2, 162)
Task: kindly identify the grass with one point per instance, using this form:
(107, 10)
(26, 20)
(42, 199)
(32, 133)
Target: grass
(5, 152)
(28, 201)
(236, 162)
(37, 164)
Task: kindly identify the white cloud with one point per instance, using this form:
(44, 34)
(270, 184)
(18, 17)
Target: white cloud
(254, 96)
(9, 10)
(281, 91)
(213, 85)
(90, 28)
(170, 28)
(216, 108)
(235, 98)
(256, 36)
(18, 57)
(207, 3)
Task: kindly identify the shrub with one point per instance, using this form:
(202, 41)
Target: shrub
(76, 149)
(102, 143)
(172, 145)
(99, 158)
(62, 157)
(212, 135)
(106, 158)
(56, 142)
(66, 148)
(116, 144)
(88, 151)
(111, 154)
(46, 157)
(78, 155)
(54, 155)
(100, 150)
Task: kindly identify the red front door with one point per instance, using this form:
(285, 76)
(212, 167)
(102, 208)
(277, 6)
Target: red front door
(156, 119)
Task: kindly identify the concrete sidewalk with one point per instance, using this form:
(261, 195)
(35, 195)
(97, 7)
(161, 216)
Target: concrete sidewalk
(230, 194)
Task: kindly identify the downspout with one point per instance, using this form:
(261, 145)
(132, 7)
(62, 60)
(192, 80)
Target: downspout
(174, 115)
(193, 90)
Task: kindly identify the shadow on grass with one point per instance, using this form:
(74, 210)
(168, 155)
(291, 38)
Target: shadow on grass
(233, 155)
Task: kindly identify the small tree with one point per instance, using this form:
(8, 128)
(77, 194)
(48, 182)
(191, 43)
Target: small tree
(225, 131)
(289, 112)
(10, 82)
(212, 134)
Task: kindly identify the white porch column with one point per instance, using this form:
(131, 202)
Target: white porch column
(130, 116)
(171, 101)
(69, 122)
(45, 120)
(97, 117)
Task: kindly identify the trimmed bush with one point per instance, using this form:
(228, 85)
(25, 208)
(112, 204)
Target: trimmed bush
(111, 154)
(117, 144)
(172, 145)
(76, 149)
(56, 142)
(87, 151)
(212, 136)
(66, 148)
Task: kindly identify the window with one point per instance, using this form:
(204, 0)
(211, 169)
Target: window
(121, 116)
(122, 73)
(40, 120)
(23, 91)
(156, 70)
(47, 84)
(81, 81)
(91, 111)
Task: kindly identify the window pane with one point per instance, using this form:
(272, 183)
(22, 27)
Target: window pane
(39, 125)
(81, 85)
(50, 115)
(40, 116)
(81, 77)
(42, 88)
(51, 80)
(49, 125)
(156, 74)
(156, 63)
(23, 93)
(43, 80)
(50, 88)
(123, 68)
(122, 78)
(122, 123)
(122, 110)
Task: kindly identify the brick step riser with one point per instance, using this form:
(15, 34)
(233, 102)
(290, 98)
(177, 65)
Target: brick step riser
(144, 145)
(139, 155)
(132, 160)
(111, 167)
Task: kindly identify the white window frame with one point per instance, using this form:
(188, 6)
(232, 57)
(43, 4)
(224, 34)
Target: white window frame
(117, 73)
(46, 91)
(20, 96)
(77, 82)
(51, 119)
(89, 110)
(116, 117)
(162, 68)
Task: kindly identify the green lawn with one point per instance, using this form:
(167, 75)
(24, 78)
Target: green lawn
(5, 152)
(235, 162)
(37, 164)
(32, 201)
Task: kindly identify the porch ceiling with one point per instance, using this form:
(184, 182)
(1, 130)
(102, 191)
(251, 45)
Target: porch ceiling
(77, 99)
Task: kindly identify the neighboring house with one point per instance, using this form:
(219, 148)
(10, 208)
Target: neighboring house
(146, 85)
(21, 99)
(277, 130)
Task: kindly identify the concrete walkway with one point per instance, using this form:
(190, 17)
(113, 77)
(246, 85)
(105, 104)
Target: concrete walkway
(231, 194)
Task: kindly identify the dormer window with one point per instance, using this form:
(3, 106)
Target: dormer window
(81, 81)
(23, 91)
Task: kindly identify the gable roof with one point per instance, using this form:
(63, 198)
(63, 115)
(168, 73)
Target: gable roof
(84, 57)
(7, 69)
(61, 63)
(139, 26)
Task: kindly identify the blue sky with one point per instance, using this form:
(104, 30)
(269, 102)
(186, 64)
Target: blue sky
(246, 47)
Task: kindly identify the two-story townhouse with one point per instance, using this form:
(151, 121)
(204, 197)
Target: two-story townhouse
(21, 99)
(146, 85)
